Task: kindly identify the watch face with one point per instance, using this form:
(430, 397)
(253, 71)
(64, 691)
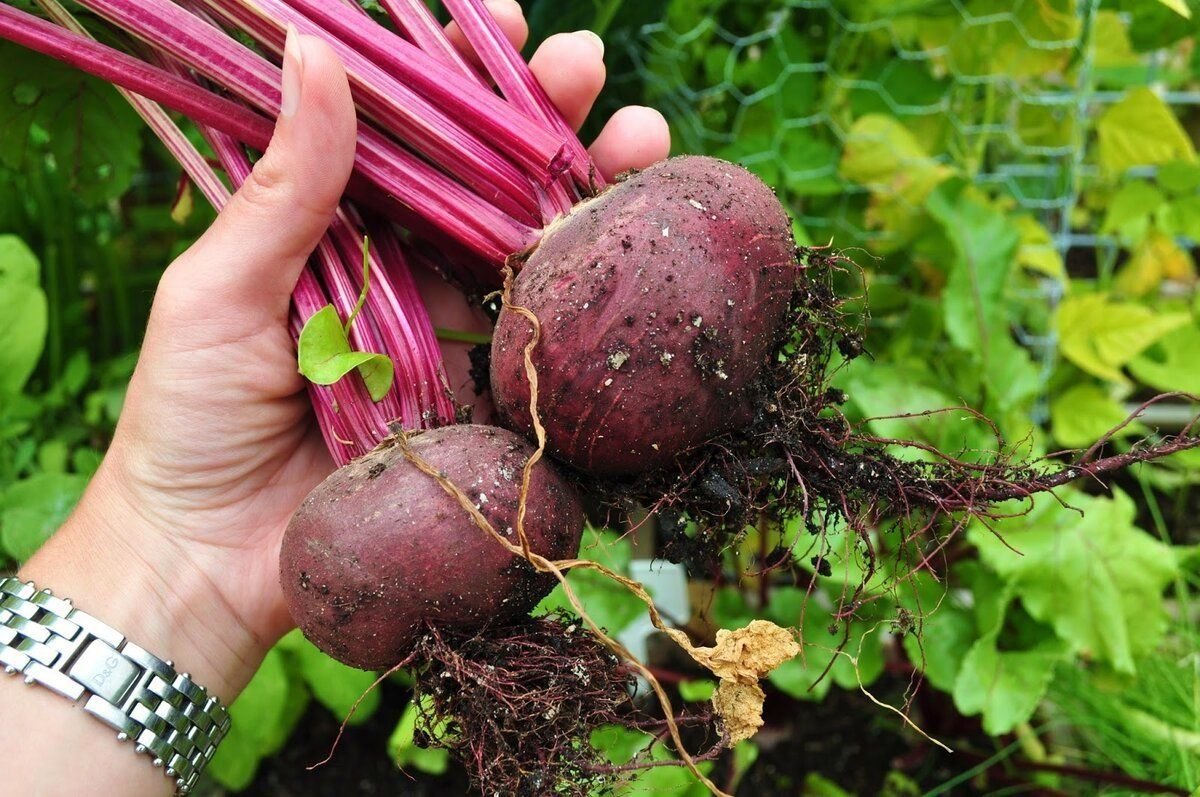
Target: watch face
(104, 672)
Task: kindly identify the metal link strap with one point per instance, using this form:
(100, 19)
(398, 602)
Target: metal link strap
(167, 715)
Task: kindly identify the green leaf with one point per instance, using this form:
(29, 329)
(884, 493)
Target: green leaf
(1098, 580)
(1141, 130)
(944, 632)
(1085, 412)
(1180, 7)
(697, 691)
(1130, 209)
(403, 750)
(92, 135)
(262, 717)
(1179, 177)
(1101, 336)
(1171, 363)
(611, 605)
(325, 356)
(335, 685)
(798, 676)
(885, 156)
(1005, 686)
(23, 313)
(33, 509)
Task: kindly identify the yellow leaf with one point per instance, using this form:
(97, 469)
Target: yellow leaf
(1141, 130)
(1037, 251)
(1110, 42)
(1180, 7)
(885, 156)
(1101, 336)
(1156, 259)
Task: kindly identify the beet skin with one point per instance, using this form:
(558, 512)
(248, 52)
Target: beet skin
(379, 547)
(658, 301)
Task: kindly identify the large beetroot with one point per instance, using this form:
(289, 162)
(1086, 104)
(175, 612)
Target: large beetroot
(658, 302)
(380, 548)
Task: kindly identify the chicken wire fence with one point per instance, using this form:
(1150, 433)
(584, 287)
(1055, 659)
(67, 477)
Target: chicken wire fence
(1006, 92)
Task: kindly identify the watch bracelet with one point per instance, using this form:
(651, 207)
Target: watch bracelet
(163, 713)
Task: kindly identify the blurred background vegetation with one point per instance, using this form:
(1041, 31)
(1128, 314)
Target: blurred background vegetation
(1018, 183)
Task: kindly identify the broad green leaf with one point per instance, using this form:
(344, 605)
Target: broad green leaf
(90, 132)
(404, 751)
(619, 744)
(1179, 177)
(1180, 216)
(1083, 413)
(864, 647)
(1038, 251)
(1130, 209)
(325, 356)
(1157, 258)
(23, 313)
(883, 155)
(263, 717)
(1110, 43)
(1171, 363)
(943, 630)
(1141, 130)
(1098, 580)
(33, 509)
(1180, 7)
(986, 244)
(335, 685)
(903, 388)
(697, 691)
(1101, 336)
(1005, 686)
(611, 605)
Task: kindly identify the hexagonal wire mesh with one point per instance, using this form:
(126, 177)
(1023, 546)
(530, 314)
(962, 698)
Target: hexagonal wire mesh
(1000, 90)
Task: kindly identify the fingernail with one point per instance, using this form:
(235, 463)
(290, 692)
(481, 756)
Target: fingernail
(592, 37)
(293, 73)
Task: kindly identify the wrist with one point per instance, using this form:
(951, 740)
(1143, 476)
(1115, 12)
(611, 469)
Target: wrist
(113, 563)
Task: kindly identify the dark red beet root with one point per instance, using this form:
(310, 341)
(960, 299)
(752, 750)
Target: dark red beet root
(379, 548)
(658, 302)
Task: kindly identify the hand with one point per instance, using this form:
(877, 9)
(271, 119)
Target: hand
(176, 541)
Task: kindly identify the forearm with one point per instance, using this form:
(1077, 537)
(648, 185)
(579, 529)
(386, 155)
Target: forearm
(158, 600)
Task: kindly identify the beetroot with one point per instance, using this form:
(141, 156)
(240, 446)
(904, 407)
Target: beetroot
(658, 302)
(379, 549)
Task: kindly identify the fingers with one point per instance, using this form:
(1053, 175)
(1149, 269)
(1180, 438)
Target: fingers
(252, 255)
(508, 15)
(570, 67)
(634, 138)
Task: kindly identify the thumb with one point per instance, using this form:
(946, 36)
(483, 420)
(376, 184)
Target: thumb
(252, 255)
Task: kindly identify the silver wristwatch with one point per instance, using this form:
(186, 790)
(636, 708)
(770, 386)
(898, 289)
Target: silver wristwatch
(164, 713)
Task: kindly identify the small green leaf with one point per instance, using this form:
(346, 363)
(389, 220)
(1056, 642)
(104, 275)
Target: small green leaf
(263, 717)
(1101, 336)
(1180, 7)
(697, 691)
(325, 356)
(1130, 209)
(335, 685)
(1085, 412)
(1141, 130)
(611, 605)
(23, 314)
(403, 749)
(1171, 363)
(619, 744)
(1179, 177)
(33, 509)
(1005, 686)
(1097, 580)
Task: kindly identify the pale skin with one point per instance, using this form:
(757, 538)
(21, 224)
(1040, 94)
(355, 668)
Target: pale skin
(176, 541)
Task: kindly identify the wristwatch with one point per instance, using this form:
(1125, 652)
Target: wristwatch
(164, 713)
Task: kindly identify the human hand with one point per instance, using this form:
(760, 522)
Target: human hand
(176, 541)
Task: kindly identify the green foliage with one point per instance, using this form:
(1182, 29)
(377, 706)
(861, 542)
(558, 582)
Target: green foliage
(50, 110)
(23, 315)
(325, 356)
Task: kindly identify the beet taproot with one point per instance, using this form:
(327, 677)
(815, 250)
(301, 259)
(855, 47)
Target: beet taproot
(380, 548)
(658, 301)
